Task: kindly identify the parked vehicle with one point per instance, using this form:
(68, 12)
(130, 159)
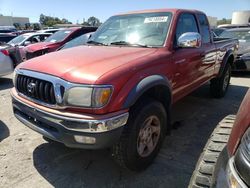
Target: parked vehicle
(8, 29)
(117, 91)
(83, 39)
(7, 33)
(55, 41)
(6, 37)
(28, 38)
(225, 161)
(231, 26)
(242, 62)
(6, 63)
(218, 31)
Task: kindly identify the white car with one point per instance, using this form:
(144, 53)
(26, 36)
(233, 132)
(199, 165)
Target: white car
(6, 63)
(28, 38)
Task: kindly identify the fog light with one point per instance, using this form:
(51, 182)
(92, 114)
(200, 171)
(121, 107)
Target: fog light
(85, 139)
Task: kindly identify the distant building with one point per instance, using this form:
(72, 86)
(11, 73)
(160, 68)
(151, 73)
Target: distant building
(241, 17)
(9, 20)
(212, 21)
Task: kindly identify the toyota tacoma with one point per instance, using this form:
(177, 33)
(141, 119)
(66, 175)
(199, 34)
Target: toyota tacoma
(117, 90)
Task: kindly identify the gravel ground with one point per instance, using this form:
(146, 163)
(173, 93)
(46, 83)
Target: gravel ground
(26, 160)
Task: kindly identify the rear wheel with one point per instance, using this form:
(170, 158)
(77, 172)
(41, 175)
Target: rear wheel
(219, 86)
(205, 167)
(142, 136)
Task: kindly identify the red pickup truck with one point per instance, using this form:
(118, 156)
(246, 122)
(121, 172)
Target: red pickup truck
(117, 90)
(55, 41)
(225, 161)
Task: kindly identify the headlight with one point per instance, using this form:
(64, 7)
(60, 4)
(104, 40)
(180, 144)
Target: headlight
(245, 145)
(14, 77)
(233, 179)
(92, 97)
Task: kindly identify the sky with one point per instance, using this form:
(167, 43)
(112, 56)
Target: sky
(77, 10)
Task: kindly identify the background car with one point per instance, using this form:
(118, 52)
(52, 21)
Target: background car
(217, 31)
(55, 41)
(6, 63)
(77, 41)
(28, 38)
(225, 160)
(242, 62)
(7, 33)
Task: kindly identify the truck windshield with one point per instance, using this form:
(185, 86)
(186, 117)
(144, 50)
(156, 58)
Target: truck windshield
(143, 30)
(58, 36)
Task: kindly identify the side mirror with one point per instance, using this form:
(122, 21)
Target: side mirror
(26, 43)
(189, 40)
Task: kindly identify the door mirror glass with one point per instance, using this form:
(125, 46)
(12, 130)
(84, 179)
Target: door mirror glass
(189, 40)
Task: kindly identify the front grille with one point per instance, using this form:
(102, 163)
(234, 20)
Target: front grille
(40, 90)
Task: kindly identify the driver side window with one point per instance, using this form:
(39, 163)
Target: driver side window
(186, 23)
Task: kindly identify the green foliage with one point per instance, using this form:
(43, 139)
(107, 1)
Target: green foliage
(36, 26)
(92, 21)
(50, 21)
(224, 21)
(17, 25)
(27, 26)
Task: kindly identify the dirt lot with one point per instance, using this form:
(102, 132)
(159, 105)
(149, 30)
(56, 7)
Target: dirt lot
(26, 160)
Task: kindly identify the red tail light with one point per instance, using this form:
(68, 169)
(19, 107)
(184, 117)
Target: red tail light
(5, 52)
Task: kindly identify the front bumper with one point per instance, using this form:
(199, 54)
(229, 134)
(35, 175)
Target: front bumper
(226, 175)
(73, 132)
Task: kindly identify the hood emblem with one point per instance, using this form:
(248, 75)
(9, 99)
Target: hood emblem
(31, 87)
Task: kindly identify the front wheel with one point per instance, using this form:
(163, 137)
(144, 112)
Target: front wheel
(219, 86)
(142, 136)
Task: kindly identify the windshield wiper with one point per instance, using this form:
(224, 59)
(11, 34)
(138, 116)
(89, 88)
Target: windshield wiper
(125, 43)
(96, 43)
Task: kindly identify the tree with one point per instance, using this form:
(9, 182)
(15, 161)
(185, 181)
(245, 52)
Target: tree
(50, 21)
(224, 21)
(17, 25)
(93, 21)
(27, 25)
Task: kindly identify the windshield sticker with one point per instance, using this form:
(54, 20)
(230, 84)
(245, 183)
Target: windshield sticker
(67, 32)
(158, 19)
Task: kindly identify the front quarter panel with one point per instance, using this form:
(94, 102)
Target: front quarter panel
(241, 124)
(153, 67)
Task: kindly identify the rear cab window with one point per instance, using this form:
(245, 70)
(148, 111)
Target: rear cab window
(204, 28)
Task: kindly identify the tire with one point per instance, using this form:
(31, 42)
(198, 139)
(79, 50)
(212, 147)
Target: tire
(205, 167)
(130, 152)
(219, 86)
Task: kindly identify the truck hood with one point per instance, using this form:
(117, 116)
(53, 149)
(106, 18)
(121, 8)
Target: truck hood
(38, 46)
(85, 64)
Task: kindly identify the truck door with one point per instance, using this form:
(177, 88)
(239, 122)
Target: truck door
(208, 49)
(187, 60)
